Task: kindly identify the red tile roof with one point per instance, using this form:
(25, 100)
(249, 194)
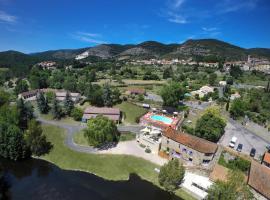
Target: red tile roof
(190, 141)
(102, 111)
(266, 157)
(259, 178)
(136, 91)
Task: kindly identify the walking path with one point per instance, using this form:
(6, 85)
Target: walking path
(124, 148)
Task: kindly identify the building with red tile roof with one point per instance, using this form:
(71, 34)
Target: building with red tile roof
(259, 179)
(92, 112)
(266, 159)
(188, 147)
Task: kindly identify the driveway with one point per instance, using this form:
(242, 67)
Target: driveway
(245, 137)
(133, 148)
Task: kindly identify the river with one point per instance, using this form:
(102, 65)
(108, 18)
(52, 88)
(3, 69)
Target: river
(38, 179)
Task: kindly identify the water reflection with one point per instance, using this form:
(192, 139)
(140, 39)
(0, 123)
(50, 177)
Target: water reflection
(37, 179)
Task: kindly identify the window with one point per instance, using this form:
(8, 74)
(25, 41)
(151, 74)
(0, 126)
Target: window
(190, 153)
(208, 154)
(184, 150)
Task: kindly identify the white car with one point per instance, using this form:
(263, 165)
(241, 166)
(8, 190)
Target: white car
(232, 142)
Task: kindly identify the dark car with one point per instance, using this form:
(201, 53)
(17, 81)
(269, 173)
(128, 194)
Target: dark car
(239, 147)
(252, 152)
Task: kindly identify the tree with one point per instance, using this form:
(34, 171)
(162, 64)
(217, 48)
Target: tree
(94, 94)
(101, 130)
(35, 140)
(42, 103)
(234, 188)
(68, 104)
(107, 95)
(172, 93)
(12, 144)
(4, 97)
(26, 113)
(171, 175)
(92, 75)
(210, 126)
(116, 96)
(238, 108)
(70, 84)
(228, 105)
(168, 73)
(56, 109)
(77, 114)
(236, 72)
(212, 78)
(21, 86)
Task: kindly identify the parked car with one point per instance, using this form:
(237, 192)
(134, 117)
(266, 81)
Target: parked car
(252, 152)
(232, 142)
(239, 147)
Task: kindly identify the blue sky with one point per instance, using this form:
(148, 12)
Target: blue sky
(38, 25)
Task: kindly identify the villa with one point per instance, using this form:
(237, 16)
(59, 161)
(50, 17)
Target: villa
(189, 148)
(204, 90)
(161, 120)
(111, 113)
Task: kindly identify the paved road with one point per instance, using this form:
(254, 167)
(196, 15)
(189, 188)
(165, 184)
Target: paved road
(73, 129)
(245, 137)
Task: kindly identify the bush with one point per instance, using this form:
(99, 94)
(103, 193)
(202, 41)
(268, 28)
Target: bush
(76, 114)
(147, 150)
(142, 145)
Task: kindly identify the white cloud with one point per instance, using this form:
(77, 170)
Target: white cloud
(177, 19)
(92, 38)
(227, 6)
(173, 12)
(7, 18)
(175, 4)
(210, 29)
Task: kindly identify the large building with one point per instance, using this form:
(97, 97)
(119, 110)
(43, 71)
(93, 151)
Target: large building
(259, 179)
(187, 147)
(92, 112)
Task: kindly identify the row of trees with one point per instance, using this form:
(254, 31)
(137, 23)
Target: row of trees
(20, 134)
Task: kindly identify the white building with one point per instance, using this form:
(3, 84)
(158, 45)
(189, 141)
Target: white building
(204, 90)
(235, 96)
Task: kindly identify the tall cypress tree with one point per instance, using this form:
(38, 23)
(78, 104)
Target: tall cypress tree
(42, 102)
(68, 104)
(56, 109)
(107, 95)
(26, 113)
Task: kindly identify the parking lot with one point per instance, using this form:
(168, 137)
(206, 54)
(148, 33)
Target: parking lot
(245, 137)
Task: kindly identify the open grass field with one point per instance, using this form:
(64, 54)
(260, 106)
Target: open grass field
(112, 167)
(67, 120)
(131, 112)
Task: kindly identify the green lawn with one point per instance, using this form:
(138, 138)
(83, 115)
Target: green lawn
(112, 167)
(131, 112)
(80, 139)
(127, 136)
(67, 120)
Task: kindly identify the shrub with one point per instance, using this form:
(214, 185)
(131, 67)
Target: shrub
(147, 150)
(76, 114)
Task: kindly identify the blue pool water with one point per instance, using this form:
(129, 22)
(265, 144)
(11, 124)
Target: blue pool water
(165, 120)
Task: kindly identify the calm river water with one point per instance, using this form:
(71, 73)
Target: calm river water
(37, 179)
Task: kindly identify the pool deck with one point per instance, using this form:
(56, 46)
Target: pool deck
(146, 120)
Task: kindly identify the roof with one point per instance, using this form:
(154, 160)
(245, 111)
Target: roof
(102, 110)
(111, 117)
(266, 157)
(136, 90)
(190, 141)
(219, 173)
(259, 178)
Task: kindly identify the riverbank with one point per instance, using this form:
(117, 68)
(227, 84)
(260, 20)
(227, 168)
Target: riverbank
(111, 167)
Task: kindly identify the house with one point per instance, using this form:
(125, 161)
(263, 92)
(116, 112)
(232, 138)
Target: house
(61, 96)
(187, 147)
(136, 91)
(204, 90)
(266, 159)
(29, 95)
(259, 179)
(235, 96)
(222, 83)
(92, 112)
(150, 137)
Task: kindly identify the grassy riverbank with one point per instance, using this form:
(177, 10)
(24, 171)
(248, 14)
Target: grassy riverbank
(112, 167)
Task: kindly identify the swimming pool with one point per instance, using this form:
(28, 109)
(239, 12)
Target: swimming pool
(165, 120)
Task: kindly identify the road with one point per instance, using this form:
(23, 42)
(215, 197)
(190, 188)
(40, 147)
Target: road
(245, 137)
(73, 129)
